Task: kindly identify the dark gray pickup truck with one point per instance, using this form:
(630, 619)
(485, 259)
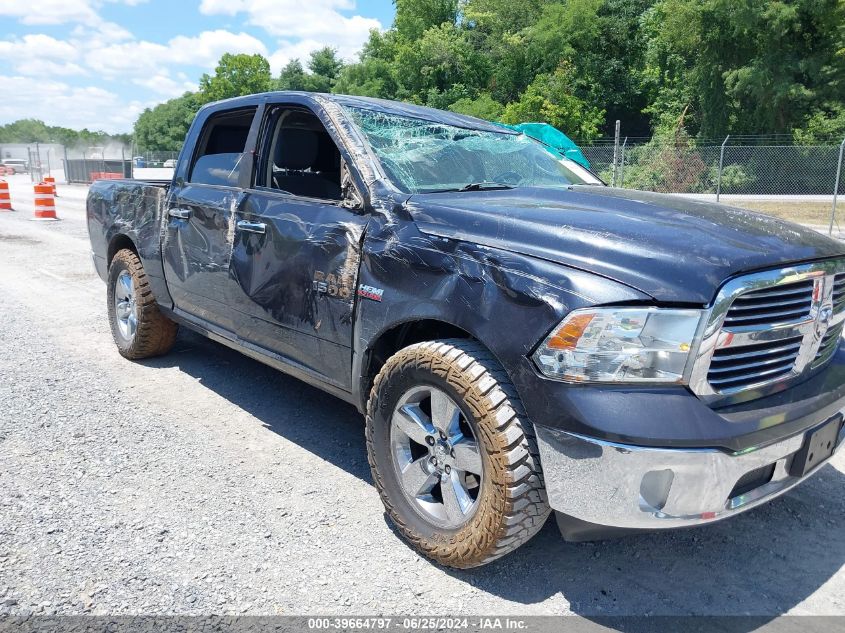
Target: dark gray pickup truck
(522, 338)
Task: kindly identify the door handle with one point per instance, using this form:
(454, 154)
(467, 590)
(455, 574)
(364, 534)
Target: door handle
(251, 227)
(180, 214)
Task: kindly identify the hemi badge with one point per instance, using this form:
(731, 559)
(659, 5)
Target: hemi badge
(370, 292)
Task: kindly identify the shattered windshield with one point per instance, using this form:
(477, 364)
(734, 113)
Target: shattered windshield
(422, 156)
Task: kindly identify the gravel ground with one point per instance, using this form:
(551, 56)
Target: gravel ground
(204, 482)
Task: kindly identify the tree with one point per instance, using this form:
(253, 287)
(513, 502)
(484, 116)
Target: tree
(711, 67)
(235, 76)
(324, 62)
(825, 125)
(292, 76)
(325, 68)
(550, 99)
(749, 67)
(36, 131)
(441, 60)
(164, 127)
(415, 17)
(375, 75)
(483, 107)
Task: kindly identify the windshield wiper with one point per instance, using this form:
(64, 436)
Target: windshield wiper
(485, 185)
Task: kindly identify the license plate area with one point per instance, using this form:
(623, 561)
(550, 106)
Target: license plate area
(818, 446)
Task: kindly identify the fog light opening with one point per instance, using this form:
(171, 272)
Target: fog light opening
(654, 489)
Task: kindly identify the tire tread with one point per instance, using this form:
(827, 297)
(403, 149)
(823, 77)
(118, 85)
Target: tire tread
(156, 333)
(521, 507)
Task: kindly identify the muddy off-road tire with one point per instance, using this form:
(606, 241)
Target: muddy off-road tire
(139, 329)
(438, 412)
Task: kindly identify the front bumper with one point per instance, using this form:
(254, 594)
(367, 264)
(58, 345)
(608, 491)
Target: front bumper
(601, 488)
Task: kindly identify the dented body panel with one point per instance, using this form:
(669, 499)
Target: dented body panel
(130, 210)
(294, 285)
(315, 287)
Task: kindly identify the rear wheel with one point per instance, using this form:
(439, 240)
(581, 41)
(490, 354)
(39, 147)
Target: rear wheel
(453, 454)
(139, 329)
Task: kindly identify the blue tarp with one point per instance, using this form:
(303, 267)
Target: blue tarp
(554, 138)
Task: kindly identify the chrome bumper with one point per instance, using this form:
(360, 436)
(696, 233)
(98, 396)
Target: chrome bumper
(621, 487)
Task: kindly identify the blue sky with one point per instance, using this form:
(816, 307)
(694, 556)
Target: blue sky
(99, 63)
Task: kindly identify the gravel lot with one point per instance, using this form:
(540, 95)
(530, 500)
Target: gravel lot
(204, 482)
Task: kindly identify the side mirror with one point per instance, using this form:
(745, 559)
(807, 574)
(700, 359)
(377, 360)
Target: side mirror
(351, 197)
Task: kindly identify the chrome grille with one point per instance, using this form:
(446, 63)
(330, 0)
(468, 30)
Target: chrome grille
(830, 342)
(771, 306)
(839, 293)
(768, 329)
(734, 367)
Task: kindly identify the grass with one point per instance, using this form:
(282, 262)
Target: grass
(794, 211)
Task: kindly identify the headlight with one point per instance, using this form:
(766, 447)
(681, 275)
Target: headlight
(620, 345)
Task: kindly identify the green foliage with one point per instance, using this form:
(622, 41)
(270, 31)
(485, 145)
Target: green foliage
(235, 76)
(483, 107)
(438, 62)
(324, 67)
(550, 99)
(292, 76)
(375, 74)
(35, 131)
(415, 17)
(667, 164)
(825, 125)
(163, 128)
(710, 67)
(734, 177)
(744, 67)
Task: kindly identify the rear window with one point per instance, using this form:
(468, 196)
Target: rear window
(221, 148)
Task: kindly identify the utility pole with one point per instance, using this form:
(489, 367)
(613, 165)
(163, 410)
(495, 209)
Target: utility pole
(615, 152)
(836, 188)
(721, 163)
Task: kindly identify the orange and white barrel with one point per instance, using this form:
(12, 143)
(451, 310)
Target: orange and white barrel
(52, 182)
(45, 202)
(5, 198)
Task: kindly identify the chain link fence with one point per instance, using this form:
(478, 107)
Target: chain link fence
(145, 158)
(801, 183)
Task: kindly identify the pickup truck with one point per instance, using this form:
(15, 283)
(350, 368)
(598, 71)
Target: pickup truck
(521, 338)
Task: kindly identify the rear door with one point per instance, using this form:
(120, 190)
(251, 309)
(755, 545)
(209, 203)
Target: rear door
(297, 247)
(197, 242)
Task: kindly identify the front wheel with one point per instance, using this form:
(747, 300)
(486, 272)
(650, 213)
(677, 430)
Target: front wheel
(138, 327)
(453, 455)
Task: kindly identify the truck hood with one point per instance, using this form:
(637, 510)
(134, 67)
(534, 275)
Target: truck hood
(672, 248)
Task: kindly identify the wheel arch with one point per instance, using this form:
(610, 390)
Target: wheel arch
(118, 243)
(397, 336)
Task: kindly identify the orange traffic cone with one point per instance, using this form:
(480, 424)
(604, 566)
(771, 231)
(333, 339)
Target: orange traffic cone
(5, 199)
(45, 203)
(52, 182)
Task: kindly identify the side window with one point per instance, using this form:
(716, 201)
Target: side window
(301, 158)
(221, 147)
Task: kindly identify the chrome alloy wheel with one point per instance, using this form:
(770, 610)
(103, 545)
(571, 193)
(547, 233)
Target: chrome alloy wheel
(436, 456)
(125, 310)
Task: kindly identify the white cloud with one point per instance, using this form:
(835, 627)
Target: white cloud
(315, 21)
(41, 55)
(99, 75)
(56, 11)
(58, 103)
(166, 86)
(140, 57)
(49, 11)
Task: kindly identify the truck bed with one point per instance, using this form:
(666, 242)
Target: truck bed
(121, 210)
